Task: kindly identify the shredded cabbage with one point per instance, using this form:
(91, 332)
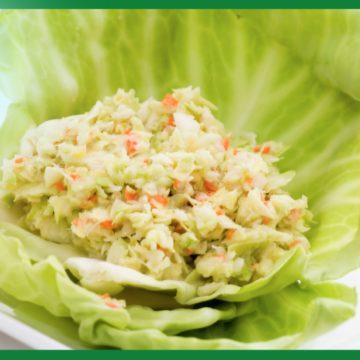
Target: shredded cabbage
(159, 187)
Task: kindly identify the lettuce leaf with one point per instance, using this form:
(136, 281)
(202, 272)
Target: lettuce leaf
(311, 310)
(101, 277)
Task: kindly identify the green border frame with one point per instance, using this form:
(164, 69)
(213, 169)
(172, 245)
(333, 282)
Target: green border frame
(179, 4)
(181, 354)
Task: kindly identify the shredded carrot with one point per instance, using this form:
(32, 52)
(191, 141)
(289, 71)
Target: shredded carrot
(221, 257)
(169, 101)
(146, 161)
(266, 150)
(60, 186)
(19, 160)
(219, 211)
(76, 222)
(111, 304)
(294, 243)
(75, 177)
(230, 233)
(248, 180)
(201, 197)
(67, 132)
(165, 251)
(188, 252)
(89, 202)
(256, 148)
(226, 143)
(161, 199)
(210, 186)
(127, 131)
(295, 214)
(265, 220)
(177, 184)
(131, 146)
(130, 194)
(82, 221)
(179, 229)
(157, 199)
(235, 151)
(171, 121)
(92, 198)
(107, 224)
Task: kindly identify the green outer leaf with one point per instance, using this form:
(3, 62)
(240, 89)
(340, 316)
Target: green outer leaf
(176, 321)
(100, 276)
(305, 311)
(46, 283)
(156, 340)
(327, 40)
(288, 270)
(64, 330)
(36, 247)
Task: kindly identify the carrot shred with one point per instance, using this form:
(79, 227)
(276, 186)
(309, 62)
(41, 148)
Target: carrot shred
(131, 146)
(219, 211)
(210, 186)
(107, 224)
(169, 101)
(256, 148)
(265, 220)
(130, 194)
(19, 160)
(230, 233)
(82, 221)
(221, 257)
(226, 143)
(127, 131)
(165, 251)
(188, 252)
(248, 180)
(75, 177)
(108, 301)
(161, 199)
(294, 243)
(171, 121)
(92, 198)
(157, 199)
(201, 197)
(177, 184)
(235, 151)
(60, 186)
(76, 222)
(295, 214)
(266, 150)
(111, 304)
(179, 229)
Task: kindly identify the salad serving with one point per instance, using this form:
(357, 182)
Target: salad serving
(157, 187)
(154, 219)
